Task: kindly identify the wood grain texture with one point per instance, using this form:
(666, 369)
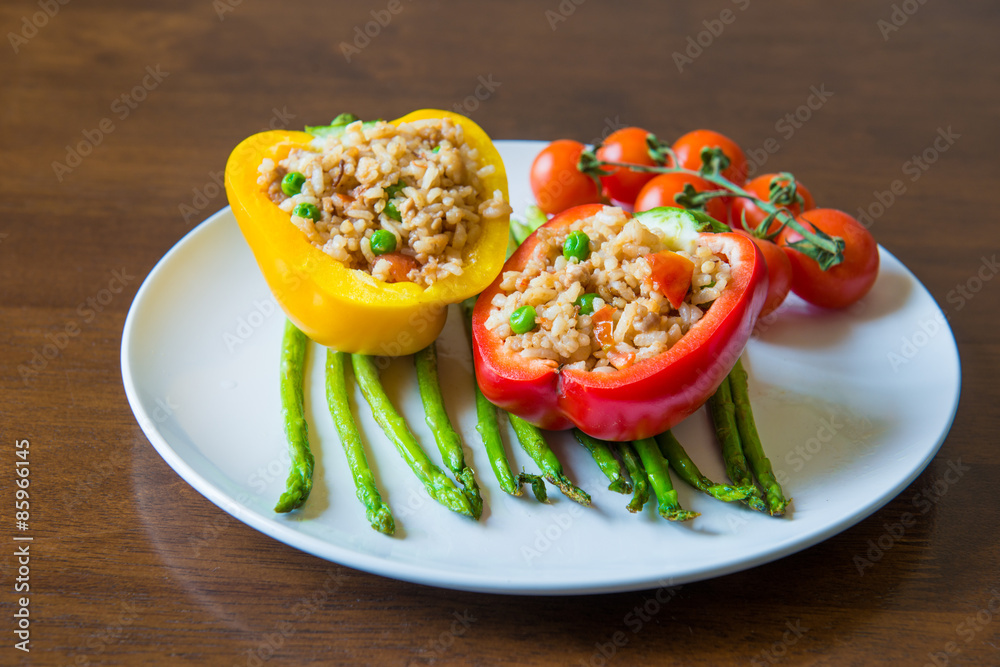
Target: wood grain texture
(131, 565)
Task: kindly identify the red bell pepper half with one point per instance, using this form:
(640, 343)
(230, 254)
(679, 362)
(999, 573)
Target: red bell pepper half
(649, 396)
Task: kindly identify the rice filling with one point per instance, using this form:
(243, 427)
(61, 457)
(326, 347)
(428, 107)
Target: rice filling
(418, 182)
(616, 272)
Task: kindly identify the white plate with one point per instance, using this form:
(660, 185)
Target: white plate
(851, 407)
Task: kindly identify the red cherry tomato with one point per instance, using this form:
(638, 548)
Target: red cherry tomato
(840, 285)
(556, 182)
(661, 190)
(625, 145)
(688, 151)
(761, 187)
(779, 273)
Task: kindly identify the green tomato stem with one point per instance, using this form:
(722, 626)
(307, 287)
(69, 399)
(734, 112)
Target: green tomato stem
(827, 250)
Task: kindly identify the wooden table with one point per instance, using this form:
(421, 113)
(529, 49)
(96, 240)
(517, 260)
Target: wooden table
(116, 123)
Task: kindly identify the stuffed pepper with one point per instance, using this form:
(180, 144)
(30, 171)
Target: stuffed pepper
(621, 326)
(365, 232)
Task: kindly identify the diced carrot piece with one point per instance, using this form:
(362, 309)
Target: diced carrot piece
(621, 360)
(604, 326)
(400, 266)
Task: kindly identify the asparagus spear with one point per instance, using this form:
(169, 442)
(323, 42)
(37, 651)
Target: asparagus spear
(723, 412)
(293, 358)
(640, 481)
(448, 441)
(659, 478)
(688, 471)
(605, 460)
(537, 483)
(438, 485)
(488, 426)
(534, 444)
(378, 513)
(752, 448)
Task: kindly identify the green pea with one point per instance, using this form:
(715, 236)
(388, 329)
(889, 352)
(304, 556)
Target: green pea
(382, 241)
(437, 149)
(306, 211)
(392, 212)
(291, 184)
(522, 320)
(576, 246)
(390, 209)
(586, 303)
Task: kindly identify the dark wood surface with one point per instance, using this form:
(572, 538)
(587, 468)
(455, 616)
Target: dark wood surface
(129, 564)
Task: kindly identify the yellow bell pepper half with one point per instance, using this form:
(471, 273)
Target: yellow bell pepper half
(348, 309)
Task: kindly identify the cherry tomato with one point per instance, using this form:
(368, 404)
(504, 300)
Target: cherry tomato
(625, 145)
(661, 190)
(556, 182)
(840, 285)
(688, 151)
(779, 273)
(761, 187)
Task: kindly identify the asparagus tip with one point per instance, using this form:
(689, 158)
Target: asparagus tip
(382, 521)
(537, 486)
(755, 502)
(471, 491)
(569, 490)
(620, 486)
(295, 496)
(777, 506)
